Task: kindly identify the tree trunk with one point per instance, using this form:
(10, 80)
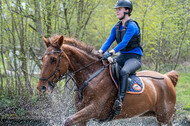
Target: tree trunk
(15, 69)
(181, 39)
(79, 17)
(1, 43)
(49, 16)
(66, 19)
(23, 52)
(143, 21)
(39, 26)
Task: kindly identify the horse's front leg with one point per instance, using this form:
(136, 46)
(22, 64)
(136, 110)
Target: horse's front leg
(81, 116)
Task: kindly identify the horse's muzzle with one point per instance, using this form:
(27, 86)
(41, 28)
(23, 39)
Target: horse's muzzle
(43, 89)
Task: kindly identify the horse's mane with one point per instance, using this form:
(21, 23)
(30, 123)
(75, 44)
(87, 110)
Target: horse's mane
(72, 42)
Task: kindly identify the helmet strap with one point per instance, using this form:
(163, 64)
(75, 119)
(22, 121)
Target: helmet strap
(124, 15)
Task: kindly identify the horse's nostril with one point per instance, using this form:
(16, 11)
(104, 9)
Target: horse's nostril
(43, 88)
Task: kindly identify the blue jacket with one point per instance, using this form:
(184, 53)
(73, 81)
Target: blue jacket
(132, 30)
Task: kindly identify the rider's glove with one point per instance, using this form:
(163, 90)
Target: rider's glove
(106, 55)
(100, 51)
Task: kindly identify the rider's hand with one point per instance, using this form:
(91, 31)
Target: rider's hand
(100, 51)
(106, 55)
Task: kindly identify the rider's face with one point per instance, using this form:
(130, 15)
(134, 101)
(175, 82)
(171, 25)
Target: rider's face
(120, 12)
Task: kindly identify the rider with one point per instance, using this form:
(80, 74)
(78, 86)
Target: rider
(127, 35)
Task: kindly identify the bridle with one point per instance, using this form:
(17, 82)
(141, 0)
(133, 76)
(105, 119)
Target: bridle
(85, 83)
(61, 77)
(52, 83)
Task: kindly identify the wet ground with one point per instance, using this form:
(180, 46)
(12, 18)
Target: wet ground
(139, 121)
(55, 109)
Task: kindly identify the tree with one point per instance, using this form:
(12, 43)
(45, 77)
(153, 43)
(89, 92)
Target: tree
(164, 26)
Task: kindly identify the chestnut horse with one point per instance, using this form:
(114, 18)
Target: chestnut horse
(69, 55)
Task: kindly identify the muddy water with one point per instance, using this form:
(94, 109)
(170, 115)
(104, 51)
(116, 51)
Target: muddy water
(60, 107)
(150, 121)
(66, 107)
(22, 122)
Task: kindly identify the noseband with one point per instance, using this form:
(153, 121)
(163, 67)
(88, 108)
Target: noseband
(52, 83)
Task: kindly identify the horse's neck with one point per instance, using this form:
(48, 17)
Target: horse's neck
(80, 59)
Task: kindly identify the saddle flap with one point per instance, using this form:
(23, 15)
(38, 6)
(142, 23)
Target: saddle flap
(136, 86)
(115, 70)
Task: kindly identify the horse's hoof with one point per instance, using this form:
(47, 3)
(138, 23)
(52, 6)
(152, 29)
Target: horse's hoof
(68, 122)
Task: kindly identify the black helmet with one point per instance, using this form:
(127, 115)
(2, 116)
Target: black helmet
(124, 3)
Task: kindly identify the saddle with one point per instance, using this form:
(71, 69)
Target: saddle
(115, 70)
(135, 85)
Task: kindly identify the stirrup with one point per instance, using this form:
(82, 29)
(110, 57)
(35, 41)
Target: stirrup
(117, 106)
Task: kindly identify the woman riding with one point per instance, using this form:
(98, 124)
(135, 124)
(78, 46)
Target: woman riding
(127, 35)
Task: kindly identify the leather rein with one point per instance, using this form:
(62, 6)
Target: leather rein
(61, 77)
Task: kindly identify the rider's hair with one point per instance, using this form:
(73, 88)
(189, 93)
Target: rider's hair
(129, 10)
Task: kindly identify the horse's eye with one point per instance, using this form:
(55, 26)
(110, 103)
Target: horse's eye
(53, 60)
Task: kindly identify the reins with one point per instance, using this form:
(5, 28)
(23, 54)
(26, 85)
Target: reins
(85, 83)
(52, 83)
(70, 75)
(85, 67)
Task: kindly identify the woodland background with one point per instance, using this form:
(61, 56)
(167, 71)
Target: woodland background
(165, 28)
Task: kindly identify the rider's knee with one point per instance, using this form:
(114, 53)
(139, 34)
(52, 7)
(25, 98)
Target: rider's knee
(124, 73)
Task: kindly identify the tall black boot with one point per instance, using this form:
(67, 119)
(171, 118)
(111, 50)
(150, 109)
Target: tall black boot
(123, 86)
(122, 91)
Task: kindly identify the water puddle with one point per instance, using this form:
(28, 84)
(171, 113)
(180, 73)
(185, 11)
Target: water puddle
(60, 105)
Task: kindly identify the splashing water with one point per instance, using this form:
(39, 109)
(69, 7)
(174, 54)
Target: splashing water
(63, 106)
(60, 104)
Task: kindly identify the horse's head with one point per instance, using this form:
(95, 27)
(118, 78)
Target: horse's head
(55, 64)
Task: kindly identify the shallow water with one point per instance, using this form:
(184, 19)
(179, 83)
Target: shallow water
(60, 106)
(139, 121)
(21, 122)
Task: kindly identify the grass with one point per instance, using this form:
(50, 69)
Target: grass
(183, 93)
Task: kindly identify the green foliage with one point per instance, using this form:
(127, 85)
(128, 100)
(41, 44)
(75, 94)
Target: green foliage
(20, 112)
(164, 27)
(183, 93)
(183, 88)
(34, 99)
(187, 107)
(6, 102)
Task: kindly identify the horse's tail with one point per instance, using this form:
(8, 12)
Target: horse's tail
(173, 75)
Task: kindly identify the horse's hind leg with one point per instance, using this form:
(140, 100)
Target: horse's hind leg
(171, 120)
(165, 116)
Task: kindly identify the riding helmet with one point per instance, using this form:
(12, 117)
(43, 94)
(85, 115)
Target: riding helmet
(124, 3)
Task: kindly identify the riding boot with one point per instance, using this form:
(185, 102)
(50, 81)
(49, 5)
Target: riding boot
(123, 86)
(122, 91)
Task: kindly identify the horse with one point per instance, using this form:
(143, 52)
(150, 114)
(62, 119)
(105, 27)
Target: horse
(65, 55)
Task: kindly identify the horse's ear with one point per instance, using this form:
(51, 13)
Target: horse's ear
(60, 41)
(47, 44)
